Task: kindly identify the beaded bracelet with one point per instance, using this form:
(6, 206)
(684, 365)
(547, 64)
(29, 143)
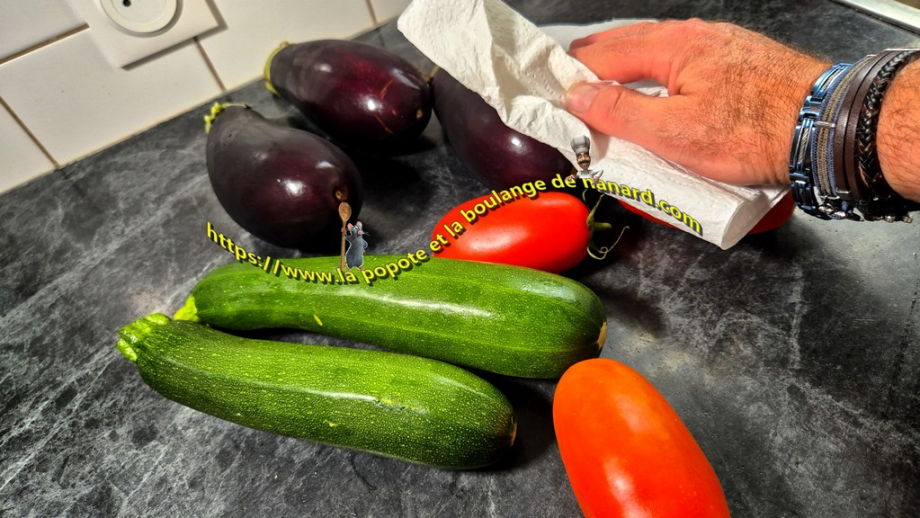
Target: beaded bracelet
(833, 163)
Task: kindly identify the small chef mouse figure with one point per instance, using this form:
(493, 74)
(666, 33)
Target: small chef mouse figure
(354, 255)
(582, 147)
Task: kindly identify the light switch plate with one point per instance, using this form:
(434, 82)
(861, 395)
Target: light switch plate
(127, 31)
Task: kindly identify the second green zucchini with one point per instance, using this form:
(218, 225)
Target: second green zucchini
(497, 318)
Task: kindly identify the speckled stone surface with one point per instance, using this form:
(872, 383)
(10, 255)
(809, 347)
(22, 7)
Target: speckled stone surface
(794, 358)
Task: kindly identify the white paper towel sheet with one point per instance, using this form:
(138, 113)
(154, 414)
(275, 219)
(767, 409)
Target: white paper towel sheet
(523, 72)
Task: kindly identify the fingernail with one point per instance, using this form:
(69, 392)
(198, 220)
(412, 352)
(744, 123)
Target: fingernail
(580, 96)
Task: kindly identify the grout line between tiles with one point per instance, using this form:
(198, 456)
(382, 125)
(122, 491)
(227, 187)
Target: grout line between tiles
(45, 43)
(207, 61)
(29, 133)
(370, 7)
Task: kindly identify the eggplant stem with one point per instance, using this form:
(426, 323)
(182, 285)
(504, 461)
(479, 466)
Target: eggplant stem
(216, 110)
(266, 72)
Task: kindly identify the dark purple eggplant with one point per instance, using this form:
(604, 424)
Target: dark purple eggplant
(282, 184)
(361, 95)
(497, 155)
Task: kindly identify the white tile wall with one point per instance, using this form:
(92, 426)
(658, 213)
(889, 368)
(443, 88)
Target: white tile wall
(75, 103)
(24, 24)
(252, 31)
(388, 9)
(20, 159)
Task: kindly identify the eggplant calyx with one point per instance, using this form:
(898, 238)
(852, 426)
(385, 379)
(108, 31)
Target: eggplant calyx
(266, 72)
(216, 110)
(594, 226)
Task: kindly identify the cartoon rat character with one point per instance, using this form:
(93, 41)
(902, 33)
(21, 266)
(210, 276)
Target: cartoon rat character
(354, 254)
(581, 145)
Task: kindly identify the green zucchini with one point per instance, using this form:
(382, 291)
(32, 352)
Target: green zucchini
(396, 405)
(497, 318)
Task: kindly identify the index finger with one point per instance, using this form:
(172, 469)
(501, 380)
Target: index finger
(640, 28)
(616, 32)
(630, 58)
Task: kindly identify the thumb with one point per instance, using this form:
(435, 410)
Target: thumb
(620, 112)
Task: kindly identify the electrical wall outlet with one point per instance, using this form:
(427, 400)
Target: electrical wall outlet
(127, 31)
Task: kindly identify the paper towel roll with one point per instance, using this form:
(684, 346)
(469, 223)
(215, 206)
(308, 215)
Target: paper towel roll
(523, 73)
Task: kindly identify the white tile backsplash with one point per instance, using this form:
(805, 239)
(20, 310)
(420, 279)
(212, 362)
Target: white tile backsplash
(253, 29)
(20, 158)
(75, 103)
(26, 24)
(386, 10)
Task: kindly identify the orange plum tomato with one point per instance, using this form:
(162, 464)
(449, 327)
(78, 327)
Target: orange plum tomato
(626, 451)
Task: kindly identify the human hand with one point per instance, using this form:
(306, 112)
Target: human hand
(735, 95)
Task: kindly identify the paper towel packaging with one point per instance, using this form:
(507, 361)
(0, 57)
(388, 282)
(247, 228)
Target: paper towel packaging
(523, 72)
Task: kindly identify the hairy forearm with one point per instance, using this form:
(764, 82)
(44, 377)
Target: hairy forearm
(898, 137)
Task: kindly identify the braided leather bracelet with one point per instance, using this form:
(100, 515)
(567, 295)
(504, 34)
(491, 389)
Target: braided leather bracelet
(880, 202)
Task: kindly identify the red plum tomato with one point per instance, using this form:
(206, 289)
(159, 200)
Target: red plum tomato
(548, 232)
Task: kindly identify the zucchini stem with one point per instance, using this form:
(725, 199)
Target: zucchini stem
(136, 332)
(602, 338)
(188, 312)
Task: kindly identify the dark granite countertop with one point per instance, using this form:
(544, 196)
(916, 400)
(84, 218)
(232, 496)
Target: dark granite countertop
(793, 357)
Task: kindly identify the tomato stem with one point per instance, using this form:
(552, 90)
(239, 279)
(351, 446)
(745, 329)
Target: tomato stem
(433, 72)
(594, 226)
